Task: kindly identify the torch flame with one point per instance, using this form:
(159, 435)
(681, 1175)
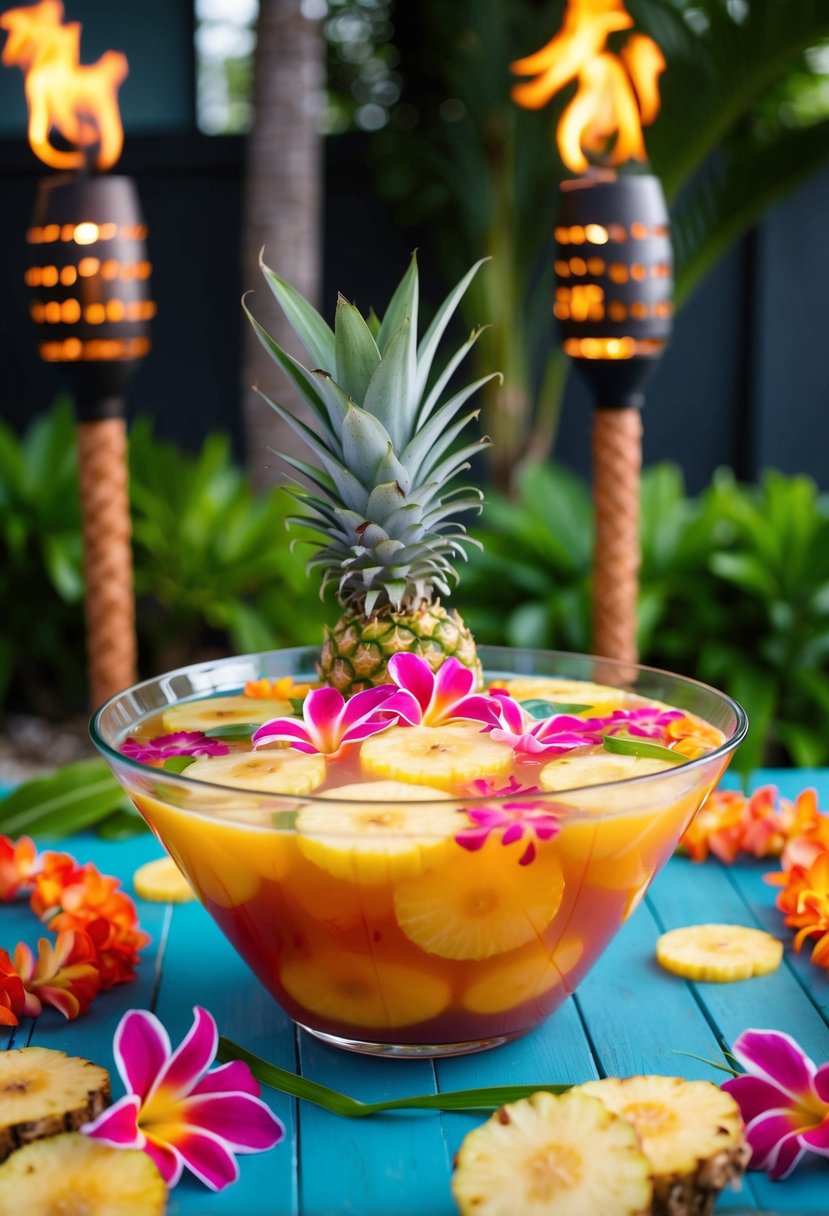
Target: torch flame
(615, 94)
(78, 101)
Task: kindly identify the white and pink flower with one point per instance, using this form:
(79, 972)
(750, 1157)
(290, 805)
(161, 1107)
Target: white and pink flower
(330, 723)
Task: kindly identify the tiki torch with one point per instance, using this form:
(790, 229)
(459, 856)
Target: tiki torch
(614, 274)
(89, 280)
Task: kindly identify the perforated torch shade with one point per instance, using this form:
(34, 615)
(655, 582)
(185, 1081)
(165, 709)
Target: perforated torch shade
(90, 282)
(614, 281)
(90, 285)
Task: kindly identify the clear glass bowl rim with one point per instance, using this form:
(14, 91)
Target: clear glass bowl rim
(491, 656)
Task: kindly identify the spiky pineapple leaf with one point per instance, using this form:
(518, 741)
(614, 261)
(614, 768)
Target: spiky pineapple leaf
(436, 391)
(416, 456)
(387, 396)
(402, 305)
(313, 332)
(301, 379)
(366, 443)
(430, 341)
(355, 350)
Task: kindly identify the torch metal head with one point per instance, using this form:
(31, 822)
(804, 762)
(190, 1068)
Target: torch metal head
(614, 279)
(90, 291)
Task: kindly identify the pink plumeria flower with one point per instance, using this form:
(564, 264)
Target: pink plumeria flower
(551, 736)
(513, 819)
(180, 1114)
(179, 743)
(784, 1100)
(330, 723)
(427, 698)
(646, 721)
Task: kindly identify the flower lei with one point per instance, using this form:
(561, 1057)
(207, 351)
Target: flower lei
(97, 933)
(764, 825)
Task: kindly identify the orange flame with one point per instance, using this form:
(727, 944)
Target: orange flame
(77, 101)
(615, 94)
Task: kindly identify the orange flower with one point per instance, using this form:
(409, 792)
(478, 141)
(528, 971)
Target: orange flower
(809, 832)
(55, 872)
(716, 827)
(65, 975)
(12, 992)
(283, 689)
(805, 899)
(730, 824)
(17, 861)
(80, 897)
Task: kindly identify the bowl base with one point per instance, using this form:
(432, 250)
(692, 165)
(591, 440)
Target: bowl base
(410, 1051)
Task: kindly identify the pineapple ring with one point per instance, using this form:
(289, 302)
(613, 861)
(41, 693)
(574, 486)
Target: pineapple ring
(602, 698)
(718, 953)
(441, 756)
(209, 712)
(525, 975)
(479, 904)
(161, 881)
(682, 1125)
(364, 991)
(71, 1172)
(565, 1154)
(378, 831)
(281, 771)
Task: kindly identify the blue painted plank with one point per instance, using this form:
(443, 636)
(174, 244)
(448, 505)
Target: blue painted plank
(395, 1163)
(200, 967)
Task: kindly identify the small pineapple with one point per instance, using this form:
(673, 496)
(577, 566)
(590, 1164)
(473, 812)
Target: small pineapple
(377, 499)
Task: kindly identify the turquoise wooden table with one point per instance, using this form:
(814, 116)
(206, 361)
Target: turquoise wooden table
(627, 1017)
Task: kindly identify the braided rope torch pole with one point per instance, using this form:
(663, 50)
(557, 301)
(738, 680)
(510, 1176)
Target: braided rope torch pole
(107, 557)
(617, 463)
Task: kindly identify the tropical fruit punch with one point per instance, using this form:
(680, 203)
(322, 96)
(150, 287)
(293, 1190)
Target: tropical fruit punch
(414, 850)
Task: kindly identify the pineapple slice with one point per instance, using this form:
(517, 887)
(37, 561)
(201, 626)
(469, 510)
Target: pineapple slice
(43, 1092)
(380, 832)
(479, 904)
(690, 1131)
(443, 756)
(161, 881)
(523, 975)
(364, 991)
(576, 769)
(212, 712)
(567, 1155)
(601, 698)
(718, 953)
(283, 771)
(73, 1175)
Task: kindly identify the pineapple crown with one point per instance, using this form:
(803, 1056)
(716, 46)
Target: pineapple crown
(384, 444)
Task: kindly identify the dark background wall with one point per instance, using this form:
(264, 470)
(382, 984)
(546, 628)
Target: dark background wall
(744, 383)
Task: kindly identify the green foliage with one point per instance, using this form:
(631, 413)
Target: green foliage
(213, 564)
(214, 567)
(734, 591)
(41, 581)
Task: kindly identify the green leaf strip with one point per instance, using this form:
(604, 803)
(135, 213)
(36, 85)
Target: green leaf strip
(623, 745)
(74, 797)
(484, 1100)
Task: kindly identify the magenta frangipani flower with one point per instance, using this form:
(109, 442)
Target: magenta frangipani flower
(180, 1114)
(330, 722)
(552, 736)
(179, 743)
(513, 819)
(427, 698)
(784, 1100)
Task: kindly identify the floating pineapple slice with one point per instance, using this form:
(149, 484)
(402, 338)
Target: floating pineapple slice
(212, 712)
(479, 904)
(718, 953)
(388, 833)
(576, 769)
(284, 771)
(601, 698)
(523, 975)
(443, 756)
(364, 991)
(690, 1131)
(43, 1092)
(161, 881)
(74, 1175)
(567, 1155)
